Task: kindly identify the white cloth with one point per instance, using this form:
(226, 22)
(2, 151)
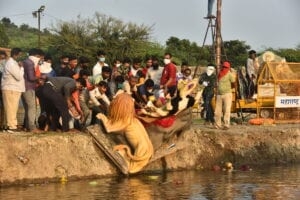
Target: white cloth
(45, 68)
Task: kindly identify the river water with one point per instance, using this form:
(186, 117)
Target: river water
(272, 182)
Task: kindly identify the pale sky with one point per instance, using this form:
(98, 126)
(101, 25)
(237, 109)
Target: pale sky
(261, 23)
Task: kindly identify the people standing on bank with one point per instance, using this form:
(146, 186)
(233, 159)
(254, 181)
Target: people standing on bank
(168, 78)
(252, 68)
(208, 80)
(224, 96)
(12, 87)
(28, 97)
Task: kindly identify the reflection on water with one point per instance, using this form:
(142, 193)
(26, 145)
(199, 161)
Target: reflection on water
(265, 183)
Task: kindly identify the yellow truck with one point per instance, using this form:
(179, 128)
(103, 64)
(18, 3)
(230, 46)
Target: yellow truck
(278, 92)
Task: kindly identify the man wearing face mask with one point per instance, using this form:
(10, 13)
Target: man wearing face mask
(208, 80)
(226, 82)
(97, 69)
(168, 78)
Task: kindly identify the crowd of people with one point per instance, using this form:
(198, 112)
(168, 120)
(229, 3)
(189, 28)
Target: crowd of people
(70, 93)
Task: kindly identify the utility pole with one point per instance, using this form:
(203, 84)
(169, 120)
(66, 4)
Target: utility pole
(218, 36)
(37, 14)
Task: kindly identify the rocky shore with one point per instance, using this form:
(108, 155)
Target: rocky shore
(35, 158)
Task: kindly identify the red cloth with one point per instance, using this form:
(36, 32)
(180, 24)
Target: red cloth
(223, 72)
(166, 121)
(168, 72)
(37, 71)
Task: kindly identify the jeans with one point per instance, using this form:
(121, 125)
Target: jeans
(29, 104)
(210, 7)
(208, 108)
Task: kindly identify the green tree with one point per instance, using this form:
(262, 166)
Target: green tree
(4, 40)
(116, 38)
(183, 50)
(236, 52)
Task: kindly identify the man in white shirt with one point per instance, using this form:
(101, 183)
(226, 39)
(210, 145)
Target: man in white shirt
(97, 69)
(99, 100)
(12, 86)
(252, 72)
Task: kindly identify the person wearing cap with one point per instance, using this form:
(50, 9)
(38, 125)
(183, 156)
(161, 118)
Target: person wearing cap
(224, 96)
(252, 68)
(208, 80)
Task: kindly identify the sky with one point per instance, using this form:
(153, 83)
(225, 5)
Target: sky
(260, 23)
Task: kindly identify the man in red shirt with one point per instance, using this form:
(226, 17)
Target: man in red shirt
(168, 78)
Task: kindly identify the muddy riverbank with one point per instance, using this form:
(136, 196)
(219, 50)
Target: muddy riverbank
(31, 158)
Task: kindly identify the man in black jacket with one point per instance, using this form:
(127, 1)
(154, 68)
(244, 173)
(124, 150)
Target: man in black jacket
(208, 80)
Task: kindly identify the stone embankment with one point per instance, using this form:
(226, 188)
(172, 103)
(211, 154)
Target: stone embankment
(33, 158)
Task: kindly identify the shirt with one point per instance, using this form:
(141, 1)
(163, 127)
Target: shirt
(155, 75)
(169, 71)
(97, 69)
(13, 76)
(96, 95)
(224, 85)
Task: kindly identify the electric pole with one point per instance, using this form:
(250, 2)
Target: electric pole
(37, 14)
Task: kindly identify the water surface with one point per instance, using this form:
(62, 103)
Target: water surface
(276, 182)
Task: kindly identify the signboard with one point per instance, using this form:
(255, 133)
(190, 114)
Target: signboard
(287, 101)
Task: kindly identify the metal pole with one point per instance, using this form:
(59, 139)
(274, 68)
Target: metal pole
(39, 26)
(218, 36)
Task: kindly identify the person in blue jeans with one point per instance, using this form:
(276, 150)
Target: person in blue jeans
(210, 7)
(208, 80)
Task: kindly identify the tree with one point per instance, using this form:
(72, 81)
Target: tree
(236, 52)
(116, 38)
(4, 40)
(184, 50)
(7, 23)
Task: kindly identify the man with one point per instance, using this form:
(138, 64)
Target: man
(97, 69)
(64, 62)
(224, 96)
(147, 66)
(28, 97)
(136, 71)
(69, 70)
(252, 68)
(168, 78)
(124, 69)
(208, 80)
(180, 74)
(56, 92)
(99, 100)
(144, 91)
(12, 87)
(154, 73)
